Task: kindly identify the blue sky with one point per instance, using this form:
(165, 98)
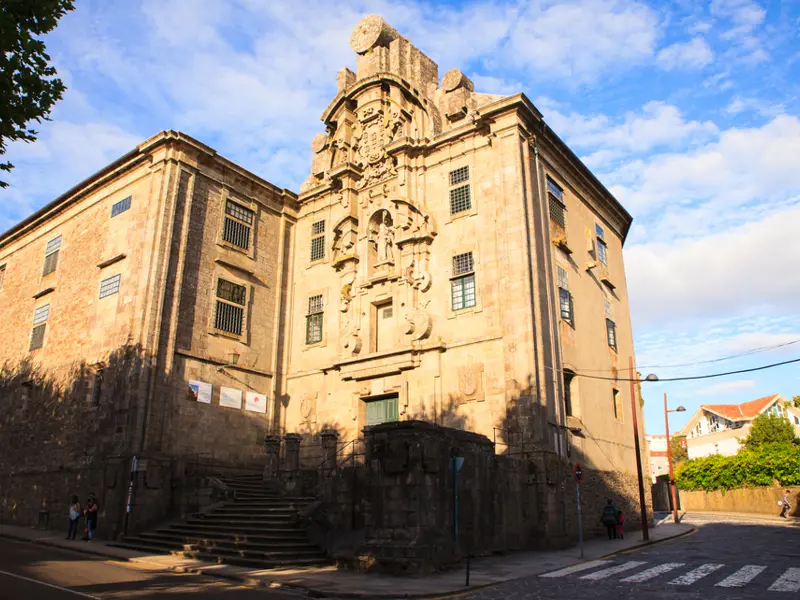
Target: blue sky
(688, 111)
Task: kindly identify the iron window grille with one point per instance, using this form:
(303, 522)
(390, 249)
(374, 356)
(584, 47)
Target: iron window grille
(317, 241)
(611, 332)
(460, 199)
(459, 175)
(556, 200)
(231, 299)
(51, 255)
(109, 286)
(238, 223)
(41, 314)
(2, 275)
(97, 387)
(120, 207)
(314, 319)
(462, 285)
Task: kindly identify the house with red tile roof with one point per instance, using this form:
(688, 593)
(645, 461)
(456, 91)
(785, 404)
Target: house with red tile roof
(720, 428)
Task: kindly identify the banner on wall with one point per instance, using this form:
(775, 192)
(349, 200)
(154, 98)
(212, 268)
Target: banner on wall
(256, 402)
(201, 391)
(230, 397)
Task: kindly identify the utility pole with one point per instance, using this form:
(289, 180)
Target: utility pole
(672, 488)
(642, 506)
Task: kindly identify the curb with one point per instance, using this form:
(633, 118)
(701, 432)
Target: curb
(317, 593)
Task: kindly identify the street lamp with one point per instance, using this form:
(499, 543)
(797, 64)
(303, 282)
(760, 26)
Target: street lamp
(642, 505)
(672, 488)
(234, 359)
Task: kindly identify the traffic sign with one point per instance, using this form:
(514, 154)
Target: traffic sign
(578, 473)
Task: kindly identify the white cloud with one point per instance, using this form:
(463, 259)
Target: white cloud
(766, 109)
(658, 125)
(582, 39)
(726, 387)
(747, 268)
(744, 13)
(64, 155)
(693, 54)
(742, 166)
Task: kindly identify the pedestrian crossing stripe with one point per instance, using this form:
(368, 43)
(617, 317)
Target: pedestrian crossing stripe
(742, 577)
(789, 580)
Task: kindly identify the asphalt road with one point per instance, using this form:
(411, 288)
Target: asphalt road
(730, 561)
(33, 572)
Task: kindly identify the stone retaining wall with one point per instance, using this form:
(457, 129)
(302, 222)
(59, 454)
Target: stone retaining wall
(760, 500)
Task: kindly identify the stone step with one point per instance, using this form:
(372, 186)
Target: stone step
(288, 535)
(267, 510)
(238, 528)
(265, 560)
(287, 517)
(269, 502)
(275, 544)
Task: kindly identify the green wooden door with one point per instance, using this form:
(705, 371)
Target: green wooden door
(384, 410)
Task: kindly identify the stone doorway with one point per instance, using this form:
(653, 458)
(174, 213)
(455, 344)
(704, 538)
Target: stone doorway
(381, 409)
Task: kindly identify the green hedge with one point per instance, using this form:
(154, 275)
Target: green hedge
(748, 468)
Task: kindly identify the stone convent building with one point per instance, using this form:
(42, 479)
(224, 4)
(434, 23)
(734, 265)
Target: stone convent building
(448, 259)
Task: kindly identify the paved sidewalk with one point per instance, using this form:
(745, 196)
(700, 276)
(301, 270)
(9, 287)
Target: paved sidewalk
(330, 583)
(695, 517)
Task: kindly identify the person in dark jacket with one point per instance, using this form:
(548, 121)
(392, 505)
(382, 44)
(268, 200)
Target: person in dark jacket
(609, 519)
(91, 518)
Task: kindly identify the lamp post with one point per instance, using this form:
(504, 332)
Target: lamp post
(642, 505)
(672, 488)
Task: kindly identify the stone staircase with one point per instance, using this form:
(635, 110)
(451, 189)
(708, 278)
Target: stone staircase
(257, 529)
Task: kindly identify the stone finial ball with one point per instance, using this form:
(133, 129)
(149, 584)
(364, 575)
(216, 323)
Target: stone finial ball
(455, 79)
(371, 31)
(318, 142)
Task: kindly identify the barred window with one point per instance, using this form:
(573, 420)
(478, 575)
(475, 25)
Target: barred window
(51, 255)
(109, 286)
(120, 207)
(459, 175)
(557, 212)
(460, 199)
(231, 299)
(314, 319)
(2, 275)
(463, 263)
(238, 223)
(599, 231)
(611, 332)
(317, 241)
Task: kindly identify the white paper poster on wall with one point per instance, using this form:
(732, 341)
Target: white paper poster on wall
(230, 397)
(256, 402)
(201, 391)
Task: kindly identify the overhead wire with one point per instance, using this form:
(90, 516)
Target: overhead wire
(695, 377)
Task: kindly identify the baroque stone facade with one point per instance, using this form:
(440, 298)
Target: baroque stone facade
(448, 259)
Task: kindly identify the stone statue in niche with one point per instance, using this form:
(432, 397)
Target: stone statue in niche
(382, 238)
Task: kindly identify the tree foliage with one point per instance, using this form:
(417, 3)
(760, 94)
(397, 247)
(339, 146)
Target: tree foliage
(796, 401)
(28, 84)
(769, 429)
(678, 454)
(762, 466)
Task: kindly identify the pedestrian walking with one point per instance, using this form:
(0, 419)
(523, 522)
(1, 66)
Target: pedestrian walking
(91, 518)
(620, 525)
(609, 519)
(785, 506)
(75, 512)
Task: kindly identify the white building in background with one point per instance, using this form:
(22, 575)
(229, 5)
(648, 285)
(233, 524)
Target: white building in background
(657, 455)
(720, 428)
